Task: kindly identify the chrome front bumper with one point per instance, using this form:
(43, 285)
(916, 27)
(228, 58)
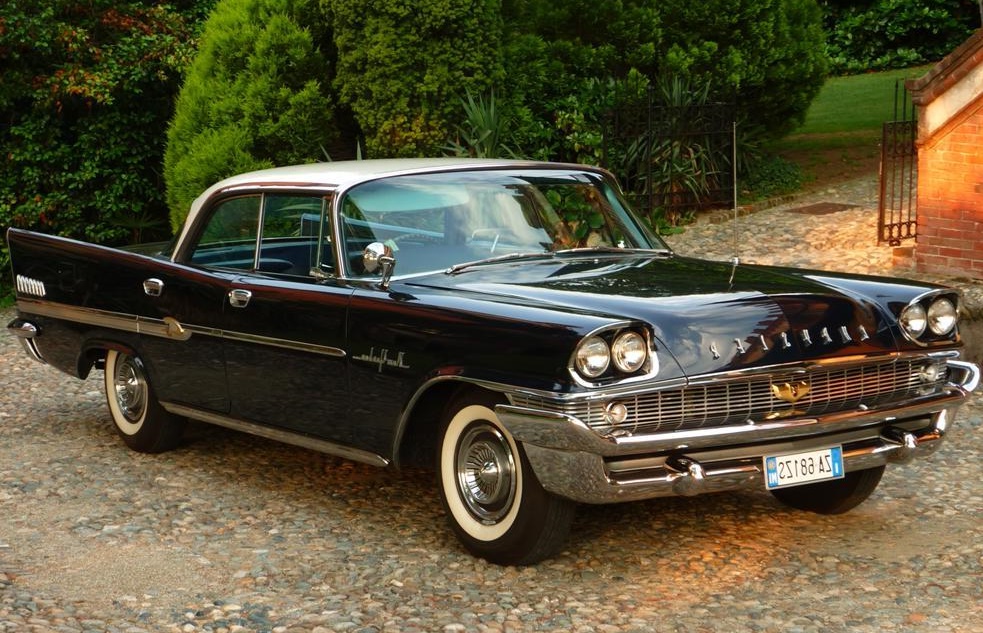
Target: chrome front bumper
(573, 461)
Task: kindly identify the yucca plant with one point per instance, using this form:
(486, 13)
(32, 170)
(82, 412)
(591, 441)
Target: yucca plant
(484, 131)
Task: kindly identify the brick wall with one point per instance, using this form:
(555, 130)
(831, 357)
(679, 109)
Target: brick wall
(950, 198)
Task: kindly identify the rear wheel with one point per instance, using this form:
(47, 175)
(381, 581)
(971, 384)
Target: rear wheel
(832, 497)
(495, 504)
(143, 424)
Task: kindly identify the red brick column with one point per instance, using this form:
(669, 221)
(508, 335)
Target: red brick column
(950, 199)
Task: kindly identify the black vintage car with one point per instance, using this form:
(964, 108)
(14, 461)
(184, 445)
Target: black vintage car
(512, 323)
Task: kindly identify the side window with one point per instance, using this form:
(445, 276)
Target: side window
(288, 240)
(291, 233)
(229, 238)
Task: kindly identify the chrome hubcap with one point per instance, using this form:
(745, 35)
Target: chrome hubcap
(486, 473)
(131, 389)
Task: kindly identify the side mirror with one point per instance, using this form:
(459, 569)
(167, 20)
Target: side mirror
(378, 256)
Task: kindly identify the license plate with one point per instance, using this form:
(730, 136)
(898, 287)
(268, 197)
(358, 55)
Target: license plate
(793, 469)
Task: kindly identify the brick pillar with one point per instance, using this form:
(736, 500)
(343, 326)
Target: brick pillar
(950, 198)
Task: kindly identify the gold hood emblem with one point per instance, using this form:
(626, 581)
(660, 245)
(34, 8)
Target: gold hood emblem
(791, 392)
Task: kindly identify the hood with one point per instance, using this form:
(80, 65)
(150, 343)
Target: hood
(710, 316)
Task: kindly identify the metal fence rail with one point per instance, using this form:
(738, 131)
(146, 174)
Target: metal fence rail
(897, 203)
(671, 160)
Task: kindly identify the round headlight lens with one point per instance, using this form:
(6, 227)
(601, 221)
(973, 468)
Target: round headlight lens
(629, 352)
(914, 320)
(941, 316)
(593, 357)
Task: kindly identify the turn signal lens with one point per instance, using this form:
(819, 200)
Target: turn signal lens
(593, 357)
(914, 320)
(942, 316)
(629, 352)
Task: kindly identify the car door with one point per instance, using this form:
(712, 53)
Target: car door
(283, 328)
(183, 340)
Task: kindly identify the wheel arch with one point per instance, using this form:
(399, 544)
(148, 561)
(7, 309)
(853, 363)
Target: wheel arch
(93, 354)
(415, 442)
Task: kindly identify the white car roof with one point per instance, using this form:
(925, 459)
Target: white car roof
(343, 174)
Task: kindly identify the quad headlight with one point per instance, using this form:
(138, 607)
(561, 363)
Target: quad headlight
(629, 352)
(613, 354)
(593, 357)
(914, 319)
(942, 316)
(929, 317)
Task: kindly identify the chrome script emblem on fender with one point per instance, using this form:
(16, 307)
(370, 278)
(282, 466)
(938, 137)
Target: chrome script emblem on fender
(791, 392)
(382, 359)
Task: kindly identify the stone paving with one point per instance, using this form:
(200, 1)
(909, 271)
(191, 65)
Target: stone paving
(844, 240)
(236, 533)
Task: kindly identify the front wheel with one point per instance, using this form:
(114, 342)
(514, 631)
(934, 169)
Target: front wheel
(832, 497)
(495, 504)
(143, 424)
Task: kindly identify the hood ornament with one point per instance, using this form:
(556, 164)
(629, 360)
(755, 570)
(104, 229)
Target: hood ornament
(791, 392)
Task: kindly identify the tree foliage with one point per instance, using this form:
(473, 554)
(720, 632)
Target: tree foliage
(85, 94)
(882, 34)
(764, 55)
(256, 95)
(403, 67)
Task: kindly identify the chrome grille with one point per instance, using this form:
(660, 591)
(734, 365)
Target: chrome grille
(735, 401)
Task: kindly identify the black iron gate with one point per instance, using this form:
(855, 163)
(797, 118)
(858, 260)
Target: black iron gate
(897, 204)
(671, 160)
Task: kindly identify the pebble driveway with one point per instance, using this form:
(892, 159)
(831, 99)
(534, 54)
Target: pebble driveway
(236, 533)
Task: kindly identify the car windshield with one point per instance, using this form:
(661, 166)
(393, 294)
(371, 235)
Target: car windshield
(439, 221)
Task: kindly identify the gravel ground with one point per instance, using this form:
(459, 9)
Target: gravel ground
(236, 533)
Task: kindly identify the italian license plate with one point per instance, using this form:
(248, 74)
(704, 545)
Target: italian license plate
(793, 469)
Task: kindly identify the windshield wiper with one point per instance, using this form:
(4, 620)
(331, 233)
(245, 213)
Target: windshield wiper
(456, 268)
(613, 249)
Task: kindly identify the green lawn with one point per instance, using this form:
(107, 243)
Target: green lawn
(849, 111)
(841, 136)
(858, 103)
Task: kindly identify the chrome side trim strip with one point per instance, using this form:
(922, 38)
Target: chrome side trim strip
(88, 316)
(279, 435)
(284, 343)
(168, 327)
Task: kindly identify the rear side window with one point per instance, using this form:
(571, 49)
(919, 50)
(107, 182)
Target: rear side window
(229, 238)
(269, 233)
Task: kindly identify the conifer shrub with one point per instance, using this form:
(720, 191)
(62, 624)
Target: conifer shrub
(257, 95)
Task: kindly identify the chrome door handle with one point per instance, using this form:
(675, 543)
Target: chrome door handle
(239, 298)
(153, 287)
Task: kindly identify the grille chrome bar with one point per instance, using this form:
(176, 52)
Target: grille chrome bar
(711, 404)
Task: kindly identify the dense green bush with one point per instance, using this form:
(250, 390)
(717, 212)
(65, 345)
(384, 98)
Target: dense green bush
(403, 67)
(885, 34)
(85, 96)
(764, 55)
(256, 95)
(563, 59)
